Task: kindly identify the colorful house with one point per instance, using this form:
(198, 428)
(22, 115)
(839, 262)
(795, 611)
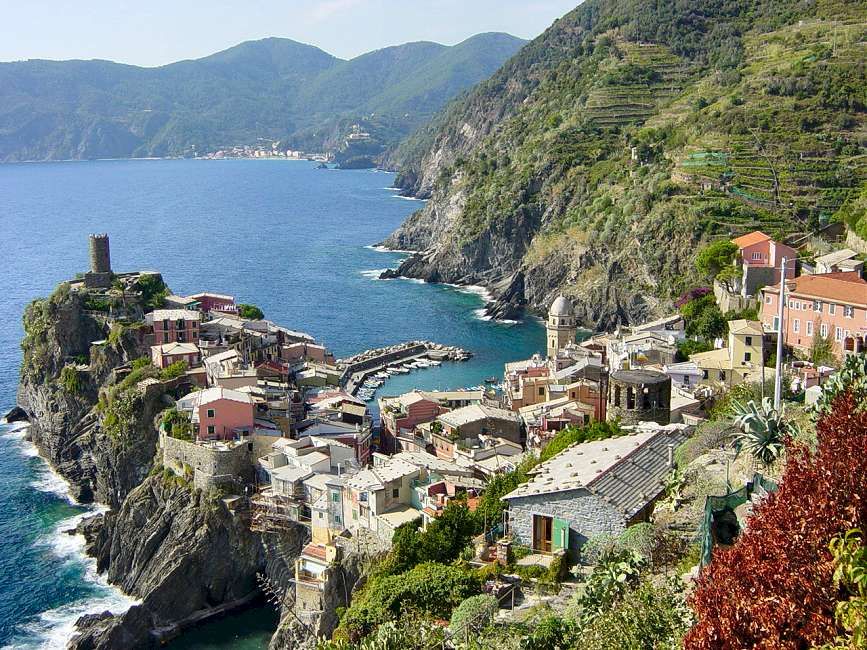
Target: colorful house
(162, 356)
(219, 413)
(174, 325)
(758, 249)
(828, 305)
(742, 360)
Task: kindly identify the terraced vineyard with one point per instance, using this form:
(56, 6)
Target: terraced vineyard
(650, 76)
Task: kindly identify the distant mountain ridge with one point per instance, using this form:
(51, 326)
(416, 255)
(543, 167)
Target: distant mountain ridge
(273, 88)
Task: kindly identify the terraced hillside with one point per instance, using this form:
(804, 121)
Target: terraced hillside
(599, 159)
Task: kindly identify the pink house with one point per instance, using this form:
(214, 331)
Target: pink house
(175, 326)
(304, 352)
(758, 249)
(830, 304)
(166, 354)
(219, 413)
(404, 413)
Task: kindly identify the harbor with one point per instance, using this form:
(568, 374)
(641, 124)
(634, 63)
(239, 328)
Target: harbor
(366, 372)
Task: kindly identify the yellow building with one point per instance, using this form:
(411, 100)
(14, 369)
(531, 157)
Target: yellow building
(740, 361)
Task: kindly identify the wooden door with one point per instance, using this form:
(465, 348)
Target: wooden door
(542, 529)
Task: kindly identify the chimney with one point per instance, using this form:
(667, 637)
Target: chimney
(671, 456)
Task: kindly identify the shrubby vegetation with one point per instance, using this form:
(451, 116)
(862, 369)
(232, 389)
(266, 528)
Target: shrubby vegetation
(250, 312)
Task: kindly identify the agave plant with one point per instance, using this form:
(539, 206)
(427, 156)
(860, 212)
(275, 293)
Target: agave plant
(762, 430)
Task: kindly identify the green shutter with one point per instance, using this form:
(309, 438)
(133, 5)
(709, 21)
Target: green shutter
(560, 535)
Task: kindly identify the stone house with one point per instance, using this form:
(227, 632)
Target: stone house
(593, 488)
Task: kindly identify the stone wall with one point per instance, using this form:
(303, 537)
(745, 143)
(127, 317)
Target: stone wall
(587, 514)
(391, 357)
(211, 467)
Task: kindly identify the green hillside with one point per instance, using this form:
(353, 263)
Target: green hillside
(597, 159)
(274, 89)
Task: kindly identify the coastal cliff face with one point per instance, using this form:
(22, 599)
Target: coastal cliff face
(190, 555)
(599, 159)
(62, 374)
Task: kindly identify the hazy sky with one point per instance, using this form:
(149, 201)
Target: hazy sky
(154, 32)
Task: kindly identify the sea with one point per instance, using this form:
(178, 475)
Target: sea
(295, 240)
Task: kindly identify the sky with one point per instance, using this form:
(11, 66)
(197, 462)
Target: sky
(155, 32)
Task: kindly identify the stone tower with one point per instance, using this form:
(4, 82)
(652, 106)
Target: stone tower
(100, 275)
(561, 326)
(100, 256)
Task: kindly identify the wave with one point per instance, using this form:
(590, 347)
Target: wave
(382, 249)
(409, 198)
(373, 274)
(16, 434)
(53, 628)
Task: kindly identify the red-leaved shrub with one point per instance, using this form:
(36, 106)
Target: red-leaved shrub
(774, 587)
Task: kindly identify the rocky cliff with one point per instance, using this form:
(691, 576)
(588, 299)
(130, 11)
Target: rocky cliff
(598, 159)
(179, 550)
(62, 374)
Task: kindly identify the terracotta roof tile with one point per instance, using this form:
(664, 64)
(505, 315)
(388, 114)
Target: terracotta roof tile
(846, 287)
(749, 239)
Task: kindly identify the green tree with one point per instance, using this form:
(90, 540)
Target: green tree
(250, 312)
(822, 349)
(714, 257)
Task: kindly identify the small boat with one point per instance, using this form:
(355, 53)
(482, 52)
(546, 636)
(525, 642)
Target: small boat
(434, 362)
(382, 375)
(491, 380)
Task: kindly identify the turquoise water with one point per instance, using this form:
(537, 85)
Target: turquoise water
(293, 239)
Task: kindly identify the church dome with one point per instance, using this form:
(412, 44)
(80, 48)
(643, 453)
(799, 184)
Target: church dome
(561, 307)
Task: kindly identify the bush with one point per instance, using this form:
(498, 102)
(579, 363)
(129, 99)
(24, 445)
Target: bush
(173, 371)
(250, 312)
(775, 587)
(715, 257)
(688, 347)
(429, 588)
(475, 613)
(443, 541)
(70, 379)
(648, 617)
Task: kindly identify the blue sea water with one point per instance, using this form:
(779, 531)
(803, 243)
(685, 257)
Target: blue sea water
(282, 234)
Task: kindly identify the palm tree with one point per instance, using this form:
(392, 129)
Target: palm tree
(762, 430)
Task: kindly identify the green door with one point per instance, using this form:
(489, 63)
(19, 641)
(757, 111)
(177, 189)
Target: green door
(560, 535)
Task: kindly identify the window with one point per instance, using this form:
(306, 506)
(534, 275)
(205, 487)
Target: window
(809, 328)
(211, 413)
(704, 373)
(817, 306)
(165, 337)
(768, 300)
(848, 311)
(832, 308)
(722, 375)
(395, 493)
(335, 496)
(541, 390)
(686, 380)
(749, 340)
(796, 325)
(776, 323)
(355, 515)
(823, 330)
(748, 356)
(211, 430)
(838, 333)
(321, 515)
(336, 519)
(791, 304)
(757, 255)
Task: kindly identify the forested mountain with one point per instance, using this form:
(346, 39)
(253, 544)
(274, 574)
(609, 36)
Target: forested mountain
(273, 89)
(600, 157)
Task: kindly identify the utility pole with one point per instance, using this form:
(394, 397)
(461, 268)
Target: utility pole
(778, 376)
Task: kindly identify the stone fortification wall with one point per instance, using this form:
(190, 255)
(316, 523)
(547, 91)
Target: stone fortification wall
(211, 467)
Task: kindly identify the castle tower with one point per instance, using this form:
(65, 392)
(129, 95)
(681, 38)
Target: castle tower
(100, 275)
(100, 256)
(561, 326)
